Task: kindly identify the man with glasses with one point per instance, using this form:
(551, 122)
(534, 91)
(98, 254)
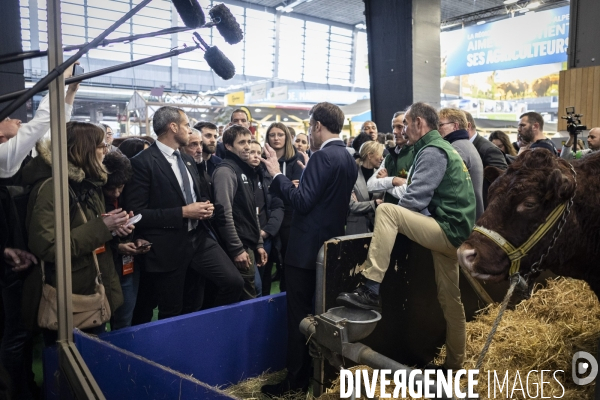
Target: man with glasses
(109, 137)
(320, 203)
(453, 128)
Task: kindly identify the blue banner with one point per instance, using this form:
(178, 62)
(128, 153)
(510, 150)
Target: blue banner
(531, 39)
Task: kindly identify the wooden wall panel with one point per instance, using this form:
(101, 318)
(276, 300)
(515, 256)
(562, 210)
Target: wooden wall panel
(580, 88)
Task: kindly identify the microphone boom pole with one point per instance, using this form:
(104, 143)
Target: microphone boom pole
(45, 81)
(39, 53)
(107, 70)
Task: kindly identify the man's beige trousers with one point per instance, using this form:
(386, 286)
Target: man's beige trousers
(390, 220)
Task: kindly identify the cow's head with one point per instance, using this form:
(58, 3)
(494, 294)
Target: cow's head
(519, 202)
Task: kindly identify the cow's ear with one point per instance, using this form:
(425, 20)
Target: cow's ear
(492, 173)
(560, 184)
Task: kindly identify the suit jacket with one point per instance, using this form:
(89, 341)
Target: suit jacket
(320, 202)
(490, 156)
(361, 217)
(155, 193)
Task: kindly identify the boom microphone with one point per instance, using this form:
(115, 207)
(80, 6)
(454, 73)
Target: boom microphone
(219, 63)
(190, 12)
(215, 58)
(226, 24)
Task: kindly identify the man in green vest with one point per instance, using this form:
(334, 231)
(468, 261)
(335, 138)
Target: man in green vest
(437, 210)
(394, 170)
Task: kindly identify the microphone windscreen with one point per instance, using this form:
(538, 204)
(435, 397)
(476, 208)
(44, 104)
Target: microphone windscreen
(190, 12)
(219, 63)
(226, 24)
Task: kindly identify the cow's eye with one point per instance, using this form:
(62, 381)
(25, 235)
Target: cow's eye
(529, 204)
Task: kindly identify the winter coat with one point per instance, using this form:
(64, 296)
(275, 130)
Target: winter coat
(85, 237)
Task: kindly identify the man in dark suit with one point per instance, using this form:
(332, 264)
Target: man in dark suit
(320, 204)
(489, 153)
(165, 190)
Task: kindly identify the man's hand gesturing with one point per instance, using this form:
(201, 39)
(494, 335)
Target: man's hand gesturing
(271, 161)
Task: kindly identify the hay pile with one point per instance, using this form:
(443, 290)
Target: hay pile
(250, 388)
(541, 333)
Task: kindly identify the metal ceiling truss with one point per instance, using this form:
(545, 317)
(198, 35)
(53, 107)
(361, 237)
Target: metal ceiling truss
(498, 11)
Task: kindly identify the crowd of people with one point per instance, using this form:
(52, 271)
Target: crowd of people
(219, 209)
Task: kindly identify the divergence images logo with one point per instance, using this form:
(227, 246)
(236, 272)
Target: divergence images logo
(581, 367)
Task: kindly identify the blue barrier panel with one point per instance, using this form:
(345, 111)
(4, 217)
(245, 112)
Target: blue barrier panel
(220, 346)
(123, 375)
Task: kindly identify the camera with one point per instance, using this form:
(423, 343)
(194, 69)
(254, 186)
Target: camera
(574, 121)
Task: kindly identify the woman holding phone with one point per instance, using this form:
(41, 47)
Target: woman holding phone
(124, 249)
(91, 232)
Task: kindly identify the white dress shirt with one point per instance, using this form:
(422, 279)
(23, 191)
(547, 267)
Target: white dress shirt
(168, 152)
(330, 140)
(172, 159)
(14, 151)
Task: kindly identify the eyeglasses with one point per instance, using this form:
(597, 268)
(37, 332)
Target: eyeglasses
(445, 123)
(103, 145)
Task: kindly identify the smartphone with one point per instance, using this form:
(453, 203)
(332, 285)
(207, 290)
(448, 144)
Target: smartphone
(77, 70)
(134, 220)
(145, 245)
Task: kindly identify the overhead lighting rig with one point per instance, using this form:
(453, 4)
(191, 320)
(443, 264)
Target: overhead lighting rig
(509, 7)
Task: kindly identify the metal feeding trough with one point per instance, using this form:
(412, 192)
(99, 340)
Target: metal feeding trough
(357, 324)
(335, 335)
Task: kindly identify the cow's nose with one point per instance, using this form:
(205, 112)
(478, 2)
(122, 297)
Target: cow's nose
(466, 257)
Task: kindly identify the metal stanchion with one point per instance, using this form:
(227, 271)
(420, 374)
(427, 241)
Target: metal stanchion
(81, 381)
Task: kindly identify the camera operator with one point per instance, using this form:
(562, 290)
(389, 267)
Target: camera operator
(593, 144)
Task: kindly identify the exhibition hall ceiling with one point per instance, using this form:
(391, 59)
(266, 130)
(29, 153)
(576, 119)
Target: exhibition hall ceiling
(351, 11)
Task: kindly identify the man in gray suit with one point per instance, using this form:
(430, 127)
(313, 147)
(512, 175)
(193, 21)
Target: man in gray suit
(453, 128)
(490, 154)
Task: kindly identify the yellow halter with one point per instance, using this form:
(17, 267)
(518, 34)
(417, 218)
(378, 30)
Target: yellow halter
(516, 254)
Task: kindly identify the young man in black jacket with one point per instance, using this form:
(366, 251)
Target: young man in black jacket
(235, 207)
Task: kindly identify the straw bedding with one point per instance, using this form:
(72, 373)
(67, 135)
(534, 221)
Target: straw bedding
(541, 333)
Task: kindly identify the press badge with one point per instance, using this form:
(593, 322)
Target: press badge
(127, 265)
(100, 249)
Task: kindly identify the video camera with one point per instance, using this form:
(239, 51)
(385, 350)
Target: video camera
(574, 121)
(574, 125)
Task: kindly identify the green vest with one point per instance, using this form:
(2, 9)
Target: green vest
(398, 165)
(453, 202)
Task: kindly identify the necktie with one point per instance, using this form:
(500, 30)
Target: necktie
(184, 177)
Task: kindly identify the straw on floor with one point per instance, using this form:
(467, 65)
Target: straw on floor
(541, 333)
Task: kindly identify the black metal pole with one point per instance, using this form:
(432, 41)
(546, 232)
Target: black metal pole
(62, 67)
(104, 71)
(38, 53)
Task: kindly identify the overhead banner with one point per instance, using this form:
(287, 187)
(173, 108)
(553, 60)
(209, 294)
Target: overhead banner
(531, 39)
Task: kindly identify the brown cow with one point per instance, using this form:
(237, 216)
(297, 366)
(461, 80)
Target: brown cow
(521, 199)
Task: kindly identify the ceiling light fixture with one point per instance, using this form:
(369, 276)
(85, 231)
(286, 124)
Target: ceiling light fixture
(360, 26)
(202, 115)
(534, 4)
(510, 1)
(480, 22)
(451, 25)
(257, 110)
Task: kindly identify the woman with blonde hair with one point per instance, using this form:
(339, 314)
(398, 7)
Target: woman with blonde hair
(361, 217)
(91, 227)
(279, 138)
